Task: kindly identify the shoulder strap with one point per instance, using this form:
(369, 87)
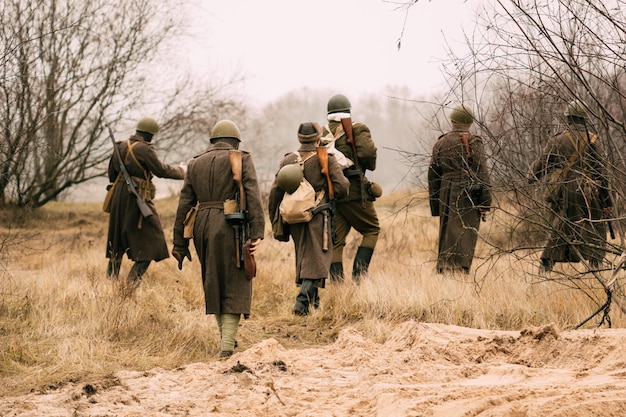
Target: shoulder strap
(300, 160)
(579, 148)
(465, 141)
(146, 174)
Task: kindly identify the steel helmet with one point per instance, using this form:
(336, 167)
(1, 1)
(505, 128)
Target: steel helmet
(225, 129)
(148, 125)
(289, 177)
(338, 103)
(576, 108)
(462, 114)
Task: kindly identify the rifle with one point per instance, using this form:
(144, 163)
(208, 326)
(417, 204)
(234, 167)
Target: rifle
(465, 142)
(346, 123)
(145, 209)
(236, 219)
(239, 219)
(322, 156)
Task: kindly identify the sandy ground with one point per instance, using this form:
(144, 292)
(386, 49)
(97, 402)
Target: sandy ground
(422, 370)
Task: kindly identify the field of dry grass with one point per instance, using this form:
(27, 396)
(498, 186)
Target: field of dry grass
(61, 319)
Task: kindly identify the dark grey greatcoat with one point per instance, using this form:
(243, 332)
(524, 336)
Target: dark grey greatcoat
(209, 178)
(312, 262)
(575, 215)
(450, 178)
(142, 239)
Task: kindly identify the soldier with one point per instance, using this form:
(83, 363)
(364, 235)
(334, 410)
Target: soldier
(140, 238)
(459, 190)
(354, 144)
(210, 186)
(574, 161)
(313, 239)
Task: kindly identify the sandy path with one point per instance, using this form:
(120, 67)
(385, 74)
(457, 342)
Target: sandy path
(422, 370)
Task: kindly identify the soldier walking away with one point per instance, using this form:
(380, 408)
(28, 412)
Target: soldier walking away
(134, 224)
(312, 239)
(221, 194)
(459, 190)
(356, 152)
(575, 164)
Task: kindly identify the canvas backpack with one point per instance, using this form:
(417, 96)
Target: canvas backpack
(297, 207)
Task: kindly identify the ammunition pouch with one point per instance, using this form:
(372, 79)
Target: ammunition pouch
(280, 229)
(189, 222)
(106, 206)
(145, 189)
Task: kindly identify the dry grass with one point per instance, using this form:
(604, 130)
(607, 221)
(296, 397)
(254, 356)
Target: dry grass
(61, 319)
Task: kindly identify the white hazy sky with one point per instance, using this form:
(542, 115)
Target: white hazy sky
(349, 46)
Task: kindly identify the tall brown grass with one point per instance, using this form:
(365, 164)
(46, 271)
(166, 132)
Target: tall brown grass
(62, 319)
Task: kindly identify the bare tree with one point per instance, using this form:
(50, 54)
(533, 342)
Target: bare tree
(523, 62)
(68, 67)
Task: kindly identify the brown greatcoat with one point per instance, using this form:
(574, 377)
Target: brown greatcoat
(575, 215)
(141, 238)
(312, 262)
(209, 179)
(451, 178)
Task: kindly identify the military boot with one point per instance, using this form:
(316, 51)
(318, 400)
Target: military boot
(336, 272)
(305, 297)
(361, 262)
(136, 272)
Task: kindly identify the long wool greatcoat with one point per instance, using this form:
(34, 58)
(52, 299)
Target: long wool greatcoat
(574, 217)
(451, 179)
(141, 238)
(209, 179)
(312, 262)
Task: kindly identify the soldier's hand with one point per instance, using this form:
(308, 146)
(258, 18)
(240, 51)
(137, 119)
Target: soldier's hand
(254, 244)
(180, 253)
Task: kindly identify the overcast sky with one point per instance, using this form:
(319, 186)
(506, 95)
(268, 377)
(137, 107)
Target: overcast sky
(349, 46)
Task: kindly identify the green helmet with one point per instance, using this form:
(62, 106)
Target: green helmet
(338, 103)
(462, 114)
(289, 177)
(148, 125)
(576, 108)
(225, 129)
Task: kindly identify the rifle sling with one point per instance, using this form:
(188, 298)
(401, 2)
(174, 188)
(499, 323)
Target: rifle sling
(146, 174)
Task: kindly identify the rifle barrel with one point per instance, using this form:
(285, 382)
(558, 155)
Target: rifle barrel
(145, 209)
